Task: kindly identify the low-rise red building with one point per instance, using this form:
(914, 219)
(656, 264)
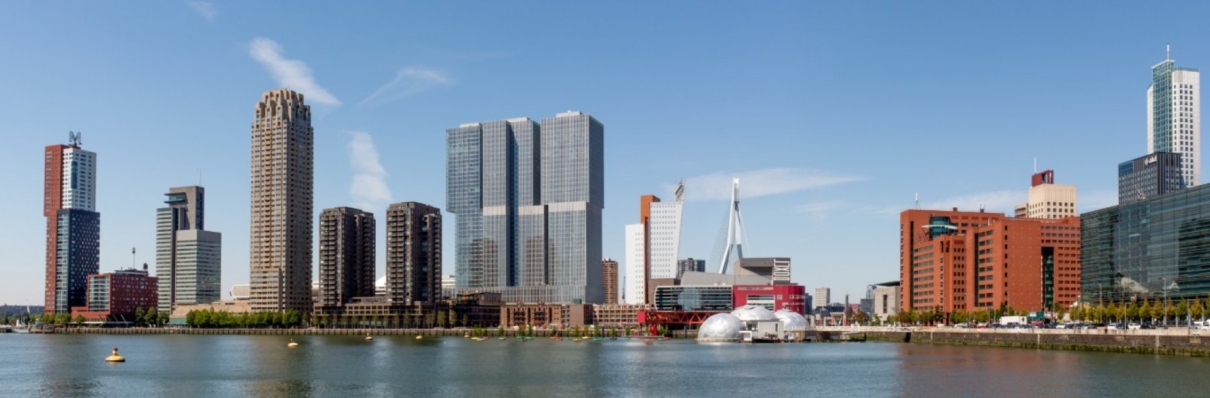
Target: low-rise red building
(774, 297)
(115, 296)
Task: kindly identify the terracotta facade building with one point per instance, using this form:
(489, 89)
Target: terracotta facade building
(966, 261)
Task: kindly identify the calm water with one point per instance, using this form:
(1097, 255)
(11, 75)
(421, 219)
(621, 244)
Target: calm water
(210, 366)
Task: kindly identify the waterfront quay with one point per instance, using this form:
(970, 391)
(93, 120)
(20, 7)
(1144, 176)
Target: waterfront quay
(449, 332)
(1175, 341)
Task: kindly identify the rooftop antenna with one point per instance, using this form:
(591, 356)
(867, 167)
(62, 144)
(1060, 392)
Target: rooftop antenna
(1168, 51)
(680, 191)
(73, 137)
(917, 200)
(132, 262)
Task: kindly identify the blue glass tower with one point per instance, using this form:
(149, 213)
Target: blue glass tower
(528, 199)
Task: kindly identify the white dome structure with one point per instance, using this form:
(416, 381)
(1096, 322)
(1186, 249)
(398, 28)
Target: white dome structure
(791, 321)
(720, 328)
(751, 313)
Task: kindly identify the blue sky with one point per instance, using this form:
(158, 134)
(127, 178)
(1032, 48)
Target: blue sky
(832, 114)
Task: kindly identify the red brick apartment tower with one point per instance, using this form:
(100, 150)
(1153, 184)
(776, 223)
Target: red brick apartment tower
(52, 199)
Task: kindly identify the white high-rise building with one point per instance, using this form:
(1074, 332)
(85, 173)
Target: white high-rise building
(822, 297)
(665, 239)
(1174, 116)
(79, 179)
(636, 274)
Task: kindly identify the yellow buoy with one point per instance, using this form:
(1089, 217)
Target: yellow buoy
(292, 344)
(418, 337)
(115, 357)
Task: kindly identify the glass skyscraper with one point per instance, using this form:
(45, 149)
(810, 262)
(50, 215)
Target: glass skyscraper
(527, 199)
(1174, 116)
(1148, 249)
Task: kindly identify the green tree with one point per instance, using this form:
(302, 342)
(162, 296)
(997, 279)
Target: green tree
(1196, 310)
(79, 320)
(138, 316)
(1182, 309)
(453, 318)
(441, 318)
(1132, 311)
(466, 320)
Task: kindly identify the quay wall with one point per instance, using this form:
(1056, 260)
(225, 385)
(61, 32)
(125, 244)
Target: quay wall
(1091, 340)
(453, 332)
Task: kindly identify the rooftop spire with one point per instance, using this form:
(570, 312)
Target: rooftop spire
(1168, 52)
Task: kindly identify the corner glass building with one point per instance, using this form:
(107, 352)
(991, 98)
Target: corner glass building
(527, 199)
(1151, 249)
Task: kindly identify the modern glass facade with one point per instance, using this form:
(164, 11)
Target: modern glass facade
(1173, 116)
(528, 200)
(77, 256)
(1149, 176)
(693, 298)
(1150, 249)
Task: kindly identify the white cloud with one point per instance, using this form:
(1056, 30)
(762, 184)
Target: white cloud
(993, 202)
(204, 8)
(753, 184)
(409, 82)
(369, 190)
(820, 209)
(290, 73)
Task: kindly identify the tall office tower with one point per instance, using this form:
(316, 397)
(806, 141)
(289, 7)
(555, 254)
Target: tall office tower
(1050, 200)
(413, 254)
(689, 265)
(823, 297)
(1174, 122)
(73, 227)
(282, 178)
(636, 265)
(1149, 176)
(346, 256)
(528, 199)
(188, 259)
(609, 280)
(664, 236)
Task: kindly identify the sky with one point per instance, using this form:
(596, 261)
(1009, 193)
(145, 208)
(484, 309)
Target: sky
(834, 115)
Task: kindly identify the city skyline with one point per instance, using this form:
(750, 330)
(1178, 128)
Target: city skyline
(789, 114)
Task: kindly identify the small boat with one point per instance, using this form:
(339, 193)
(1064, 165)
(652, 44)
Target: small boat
(502, 338)
(419, 337)
(292, 344)
(369, 338)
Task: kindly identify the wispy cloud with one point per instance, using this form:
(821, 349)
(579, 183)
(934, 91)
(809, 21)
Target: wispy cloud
(409, 82)
(820, 209)
(369, 190)
(204, 8)
(753, 184)
(290, 73)
(995, 201)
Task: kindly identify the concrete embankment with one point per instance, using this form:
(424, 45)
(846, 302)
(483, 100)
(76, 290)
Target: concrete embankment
(457, 332)
(1160, 343)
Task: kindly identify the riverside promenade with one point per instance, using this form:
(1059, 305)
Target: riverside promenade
(1174, 341)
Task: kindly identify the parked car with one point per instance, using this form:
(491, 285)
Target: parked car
(1114, 326)
(1134, 326)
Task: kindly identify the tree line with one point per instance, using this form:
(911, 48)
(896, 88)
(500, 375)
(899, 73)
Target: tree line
(211, 319)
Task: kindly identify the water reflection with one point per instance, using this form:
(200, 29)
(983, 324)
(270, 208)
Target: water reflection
(343, 366)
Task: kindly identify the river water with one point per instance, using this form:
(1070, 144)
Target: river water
(342, 366)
